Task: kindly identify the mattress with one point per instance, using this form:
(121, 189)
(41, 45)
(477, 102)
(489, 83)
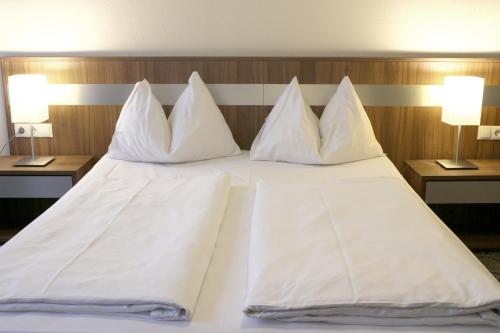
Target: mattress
(220, 304)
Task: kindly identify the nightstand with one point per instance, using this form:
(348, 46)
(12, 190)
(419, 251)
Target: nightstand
(468, 201)
(25, 192)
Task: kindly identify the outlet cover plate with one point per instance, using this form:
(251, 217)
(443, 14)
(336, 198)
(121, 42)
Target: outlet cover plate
(42, 130)
(488, 133)
(483, 133)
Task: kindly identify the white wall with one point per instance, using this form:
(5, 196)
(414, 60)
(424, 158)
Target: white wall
(255, 27)
(250, 28)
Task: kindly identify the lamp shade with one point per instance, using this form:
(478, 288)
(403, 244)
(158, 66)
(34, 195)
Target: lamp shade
(28, 98)
(462, 100)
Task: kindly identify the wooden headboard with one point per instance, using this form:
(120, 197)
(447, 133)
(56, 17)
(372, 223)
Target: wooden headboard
(405, 132)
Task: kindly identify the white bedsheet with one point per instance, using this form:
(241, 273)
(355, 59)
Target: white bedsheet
(361, 250)
(131, 247)
(221, 299)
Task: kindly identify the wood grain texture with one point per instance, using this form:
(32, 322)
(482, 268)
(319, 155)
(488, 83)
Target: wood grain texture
(57, 72)
(375, 72)
(71, 133)
(230, 71)
(114, 72)
(429, 170)
(404, 132)
(102, 120)
(71, 165)
(245, 122)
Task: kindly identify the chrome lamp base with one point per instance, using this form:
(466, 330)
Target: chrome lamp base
(38, 161)
(456, 164)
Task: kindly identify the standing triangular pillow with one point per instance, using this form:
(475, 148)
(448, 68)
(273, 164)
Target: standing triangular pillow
(199, 130)
(346, 132)
(142, 132)
(290, 132)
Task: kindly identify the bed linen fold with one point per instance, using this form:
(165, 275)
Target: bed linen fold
(137, 247)
(338, 253)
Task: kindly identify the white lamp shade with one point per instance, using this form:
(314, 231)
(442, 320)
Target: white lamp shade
(462, 100)
(28, 98)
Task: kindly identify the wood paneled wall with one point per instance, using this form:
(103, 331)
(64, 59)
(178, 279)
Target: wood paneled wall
(404, 132)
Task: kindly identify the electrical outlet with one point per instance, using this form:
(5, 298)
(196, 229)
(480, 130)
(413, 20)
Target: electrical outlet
(41, 130)
(483, 133)
(495, 133)
(488, 133)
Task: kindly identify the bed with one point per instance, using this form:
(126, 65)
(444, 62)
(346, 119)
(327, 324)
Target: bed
(222, 296)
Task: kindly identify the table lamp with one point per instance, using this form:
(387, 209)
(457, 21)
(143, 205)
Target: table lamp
(29, 104)
(462, 102)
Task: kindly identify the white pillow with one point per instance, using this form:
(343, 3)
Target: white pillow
(142, 132)
(199, 130)
(346, 132)
(290, 132)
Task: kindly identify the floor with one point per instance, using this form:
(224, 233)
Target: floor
(492, 261)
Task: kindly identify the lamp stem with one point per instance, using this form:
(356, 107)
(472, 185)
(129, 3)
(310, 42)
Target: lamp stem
(32, 129)
(457, 150)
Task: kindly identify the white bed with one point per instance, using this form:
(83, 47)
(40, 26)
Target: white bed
(219, 307)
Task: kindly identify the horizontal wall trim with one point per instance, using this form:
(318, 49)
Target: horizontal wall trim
(259, 94)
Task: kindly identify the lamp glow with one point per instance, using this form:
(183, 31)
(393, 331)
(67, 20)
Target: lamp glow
(462, 100)
(28, 100)
(462, 103)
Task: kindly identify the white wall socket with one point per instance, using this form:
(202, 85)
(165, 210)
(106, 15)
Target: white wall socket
(42, 130)
(488, 133)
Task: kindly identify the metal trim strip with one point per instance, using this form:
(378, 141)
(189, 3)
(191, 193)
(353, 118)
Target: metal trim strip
(259, 94)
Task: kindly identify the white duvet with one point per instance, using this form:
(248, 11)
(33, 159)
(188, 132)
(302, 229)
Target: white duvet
(361, 251)
(117, 247)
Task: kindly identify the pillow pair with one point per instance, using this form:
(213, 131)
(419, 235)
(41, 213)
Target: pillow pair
(196, 129)
(293, 133)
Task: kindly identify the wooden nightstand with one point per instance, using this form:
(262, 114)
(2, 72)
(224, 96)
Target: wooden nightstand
(464, 199)
(25, 192)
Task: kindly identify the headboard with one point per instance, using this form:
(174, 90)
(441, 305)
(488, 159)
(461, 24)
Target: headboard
(87, 94)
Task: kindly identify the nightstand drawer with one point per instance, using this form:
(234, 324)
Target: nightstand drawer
(34, 186)
(457, 192)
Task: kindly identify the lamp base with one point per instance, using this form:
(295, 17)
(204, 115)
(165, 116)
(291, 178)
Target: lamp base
(456, 165)
(39, 161)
